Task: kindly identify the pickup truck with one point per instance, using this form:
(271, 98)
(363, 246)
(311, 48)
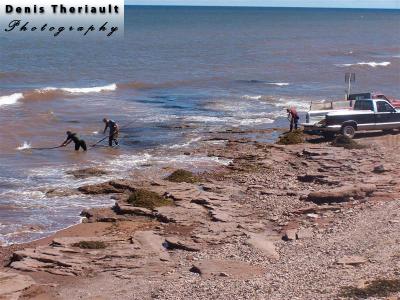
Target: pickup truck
(318, 110)
(367, 114)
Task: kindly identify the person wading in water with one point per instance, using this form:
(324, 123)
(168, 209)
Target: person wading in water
(293, 118)
(73, 137)
(114, 131)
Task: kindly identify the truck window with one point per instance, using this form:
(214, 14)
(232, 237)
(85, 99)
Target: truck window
(383, 97)
(359, 96)
(383, 106)
(364, 105)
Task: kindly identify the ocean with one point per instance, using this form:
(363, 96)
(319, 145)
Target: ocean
(179, 73)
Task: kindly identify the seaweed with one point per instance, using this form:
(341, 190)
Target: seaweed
(148, 199)
(346, 142)
(291, 138)
(90, 245)
(182, 176)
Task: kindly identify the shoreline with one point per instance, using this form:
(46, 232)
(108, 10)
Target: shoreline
(244, 222)
(149, 169)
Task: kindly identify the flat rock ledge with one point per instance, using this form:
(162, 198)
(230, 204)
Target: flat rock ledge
(226, 268)
(13, 284)
(342, 194)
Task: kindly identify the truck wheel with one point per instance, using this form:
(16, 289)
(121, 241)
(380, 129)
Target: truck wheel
(349, 131)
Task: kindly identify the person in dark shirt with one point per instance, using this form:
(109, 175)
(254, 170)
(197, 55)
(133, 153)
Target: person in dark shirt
(114, 131)
(73, 137)
(293, 117)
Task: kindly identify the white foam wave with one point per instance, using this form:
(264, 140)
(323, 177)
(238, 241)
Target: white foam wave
(205, 119)
(24, 146)
(299, 105)
(10, 99)
(96, 89)
(279, 83)
(281, 102)
(256, 97)
(372, 64)
(256, 121)
(128, 162)
(187, 144)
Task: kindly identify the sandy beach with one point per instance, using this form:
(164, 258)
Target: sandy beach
(304, 221)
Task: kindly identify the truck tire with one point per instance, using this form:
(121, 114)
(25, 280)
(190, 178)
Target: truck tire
(349, 131)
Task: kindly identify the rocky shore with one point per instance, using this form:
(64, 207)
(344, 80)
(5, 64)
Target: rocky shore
(303, 221)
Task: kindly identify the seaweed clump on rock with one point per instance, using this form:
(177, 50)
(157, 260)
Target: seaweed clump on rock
(182, 176)
(291, 138)
(346, 142)
(87, 172)
(148, 199)
(90, 245)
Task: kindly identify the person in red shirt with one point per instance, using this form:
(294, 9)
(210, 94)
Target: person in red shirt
(293, 117)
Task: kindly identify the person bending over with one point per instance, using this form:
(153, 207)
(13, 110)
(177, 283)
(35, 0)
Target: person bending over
(114, 131)
(73, 137)
(293, 117)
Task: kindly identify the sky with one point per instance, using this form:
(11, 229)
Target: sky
(274, 3)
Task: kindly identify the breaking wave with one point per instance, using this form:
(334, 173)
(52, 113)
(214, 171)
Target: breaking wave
(279, 83)
(255, 121)
(24, 146)
(256, 97)
(50, 93)
(301, 104)
(11, 99)
(372, 64)
(96, 89)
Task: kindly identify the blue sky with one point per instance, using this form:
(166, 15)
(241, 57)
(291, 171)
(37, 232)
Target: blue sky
(295, 3)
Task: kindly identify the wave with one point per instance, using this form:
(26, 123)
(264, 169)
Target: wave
(256, 97)
(255, 121)
(11, 99)
(187, 144)
(279, 83)
(301, 104)
(24, 146)
(50, 93)
(96, 89)
(372, 64)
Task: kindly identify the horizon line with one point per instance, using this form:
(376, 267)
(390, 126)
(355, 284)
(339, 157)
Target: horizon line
(256, 6)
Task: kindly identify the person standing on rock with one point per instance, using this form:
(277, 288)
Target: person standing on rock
(293, 117)
(114, 131)
(73, 137)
